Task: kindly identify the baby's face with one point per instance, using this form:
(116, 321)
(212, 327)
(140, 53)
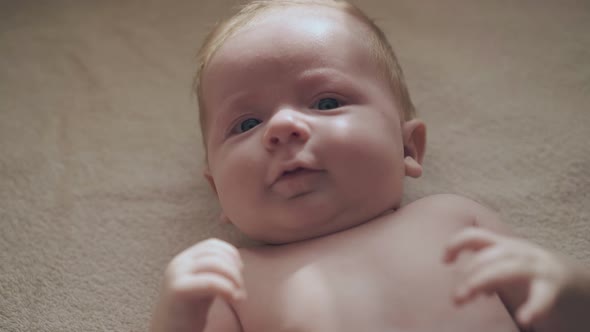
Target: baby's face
(304, 135)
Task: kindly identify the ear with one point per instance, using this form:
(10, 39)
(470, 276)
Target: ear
(207, 175)
(414, 135)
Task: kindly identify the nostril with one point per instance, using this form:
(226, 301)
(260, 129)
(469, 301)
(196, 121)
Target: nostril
(283, 137)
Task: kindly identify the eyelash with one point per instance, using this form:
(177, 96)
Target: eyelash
(234, 129)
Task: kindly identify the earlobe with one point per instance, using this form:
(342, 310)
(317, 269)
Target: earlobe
(414, 135)
(207, 175)
(223, 218)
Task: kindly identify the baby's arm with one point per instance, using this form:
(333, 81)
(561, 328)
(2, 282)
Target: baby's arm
(543, 291)
(194, 285)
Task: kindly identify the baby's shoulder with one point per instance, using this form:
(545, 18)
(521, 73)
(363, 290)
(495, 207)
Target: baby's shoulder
(457, 210)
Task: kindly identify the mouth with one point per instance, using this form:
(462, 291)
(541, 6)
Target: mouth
(296, 181)
(293, 172)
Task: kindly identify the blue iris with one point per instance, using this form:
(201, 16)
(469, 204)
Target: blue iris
(328, 104)
(248, 124)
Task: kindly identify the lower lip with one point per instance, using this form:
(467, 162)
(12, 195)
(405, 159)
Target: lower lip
(296, 183)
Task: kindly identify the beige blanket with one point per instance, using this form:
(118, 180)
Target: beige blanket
(100, 154)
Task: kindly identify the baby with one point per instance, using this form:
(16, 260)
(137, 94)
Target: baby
(309, 133)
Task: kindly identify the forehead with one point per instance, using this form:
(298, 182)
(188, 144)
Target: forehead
(296, 25)
(300, 22)
(293, 37)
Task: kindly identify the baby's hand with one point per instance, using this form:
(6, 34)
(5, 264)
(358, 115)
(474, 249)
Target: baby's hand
(507, 264)
(192, 280)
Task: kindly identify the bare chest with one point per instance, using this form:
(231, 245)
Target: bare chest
(386, 277)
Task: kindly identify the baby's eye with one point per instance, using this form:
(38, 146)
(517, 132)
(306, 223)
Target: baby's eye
(328, 104)
(248, 124)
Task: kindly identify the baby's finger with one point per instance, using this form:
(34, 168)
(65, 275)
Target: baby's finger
(539, 303)
(486, 258)
(207, 285)
(469, 239)
(220, 254)
(490, 279)
(218, 266)
(215, 245)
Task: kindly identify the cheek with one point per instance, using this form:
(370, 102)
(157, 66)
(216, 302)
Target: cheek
(361, 135)
(365, 153)
(238, 171)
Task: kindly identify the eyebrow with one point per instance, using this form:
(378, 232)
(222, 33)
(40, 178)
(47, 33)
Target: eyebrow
(323, 76)
(335, 81)
(227, 109)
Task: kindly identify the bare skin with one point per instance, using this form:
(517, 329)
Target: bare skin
(366, 279)
(362, 279)
(545, 291)
(307, 150)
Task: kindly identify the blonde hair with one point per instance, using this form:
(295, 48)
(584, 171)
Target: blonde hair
(381, 50)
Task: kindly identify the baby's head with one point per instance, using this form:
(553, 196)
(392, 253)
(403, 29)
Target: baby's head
(378, 46)
(307, 122)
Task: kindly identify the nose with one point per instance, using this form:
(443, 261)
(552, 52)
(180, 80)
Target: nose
(285, 127)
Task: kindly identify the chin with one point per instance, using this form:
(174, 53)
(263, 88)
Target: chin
(305, 232)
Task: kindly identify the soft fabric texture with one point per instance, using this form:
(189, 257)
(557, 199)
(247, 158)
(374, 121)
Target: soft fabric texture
(101, 158)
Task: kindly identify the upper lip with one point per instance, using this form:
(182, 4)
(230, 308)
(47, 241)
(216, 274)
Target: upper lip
(290, 167)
